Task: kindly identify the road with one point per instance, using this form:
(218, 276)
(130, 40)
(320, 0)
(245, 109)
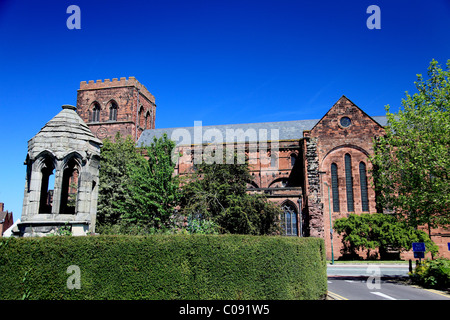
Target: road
(383, 270)
(375, 282)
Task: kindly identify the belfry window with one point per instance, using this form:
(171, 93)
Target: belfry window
(349, 183)
(363, 182)
(141, 117)
(289, 220)
(335, 187)
(147, 120)
(113, 111)
(96, 112)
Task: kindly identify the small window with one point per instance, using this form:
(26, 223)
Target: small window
(289, 220)
(293, 159)
(96, 112)
(147, 120)
(273, 160)
(113, 111)
(345, 122)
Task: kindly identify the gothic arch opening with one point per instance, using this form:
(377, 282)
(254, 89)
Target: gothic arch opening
(279, 183)
(289, 220)
(113, 110)
(147, 120)
(69, 187)
(141, 117)
(47, 185)
(95, 113)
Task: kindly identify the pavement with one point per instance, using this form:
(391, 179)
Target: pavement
(376, 282)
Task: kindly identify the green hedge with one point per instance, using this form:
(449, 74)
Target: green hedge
(433, 273)
(164, 267)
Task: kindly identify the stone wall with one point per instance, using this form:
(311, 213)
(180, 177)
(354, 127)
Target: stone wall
(65, 145)
(335, 139)
(136, 107)
(314, 205)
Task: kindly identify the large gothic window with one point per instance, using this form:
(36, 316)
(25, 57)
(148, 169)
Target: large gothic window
(289, 219)
(349, 183)
(335, 187)
(363, 182)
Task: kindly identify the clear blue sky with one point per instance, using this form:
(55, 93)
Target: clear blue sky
(218, 61)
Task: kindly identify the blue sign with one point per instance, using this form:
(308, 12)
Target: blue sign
(419, 255)
(418, 246)
(448, 244)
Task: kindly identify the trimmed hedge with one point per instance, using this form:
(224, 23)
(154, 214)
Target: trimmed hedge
(185, 267)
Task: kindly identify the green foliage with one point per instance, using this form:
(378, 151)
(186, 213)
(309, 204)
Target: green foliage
(153, 189)
(197, 225)
(378, 230)
(412, 162)
(217, 192)
(433, 273)
(116, 157)
(188, 267)
(137, 195)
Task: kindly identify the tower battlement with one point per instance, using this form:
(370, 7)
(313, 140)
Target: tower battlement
(116, 83)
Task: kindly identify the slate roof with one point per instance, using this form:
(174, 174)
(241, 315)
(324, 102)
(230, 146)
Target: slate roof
(63, 133)
(287, 130)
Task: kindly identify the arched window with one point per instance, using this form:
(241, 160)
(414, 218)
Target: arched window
(113, 111)
(289, 219)
(96, 112)
(279, 183)
(293, 159)
(147, 120)
(150, 126)
(363, 182)
(141, 117)
(335, 187)
(47, 186)
(69, 188)
(349, 183)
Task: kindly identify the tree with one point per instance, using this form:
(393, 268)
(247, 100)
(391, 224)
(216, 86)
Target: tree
(136, 194)
(153, 190)
(115, 159)
(412, 161)
(217, 193)
(378, 230)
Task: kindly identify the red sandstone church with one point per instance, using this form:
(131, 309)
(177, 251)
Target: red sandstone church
(308, 167)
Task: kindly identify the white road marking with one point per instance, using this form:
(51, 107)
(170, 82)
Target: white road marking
(351, 281)
(383, 295)
(330, 282)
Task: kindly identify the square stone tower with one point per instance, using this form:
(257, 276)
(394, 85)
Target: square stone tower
(108, 107)
(61, 185)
